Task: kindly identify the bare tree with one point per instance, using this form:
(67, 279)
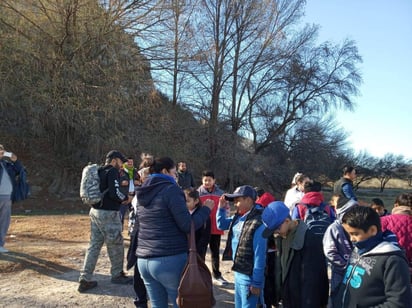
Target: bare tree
(388, 167)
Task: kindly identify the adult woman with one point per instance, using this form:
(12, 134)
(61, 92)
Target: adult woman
(164, 223)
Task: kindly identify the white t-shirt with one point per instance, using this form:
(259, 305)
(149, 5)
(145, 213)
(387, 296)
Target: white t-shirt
(293, 197)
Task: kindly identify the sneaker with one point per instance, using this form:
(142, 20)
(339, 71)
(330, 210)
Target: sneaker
(3, 250)
(220, 281)
(85, 285)
(122, 279)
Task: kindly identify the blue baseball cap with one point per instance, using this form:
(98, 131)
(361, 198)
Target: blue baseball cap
(273, 216)
(242, 191)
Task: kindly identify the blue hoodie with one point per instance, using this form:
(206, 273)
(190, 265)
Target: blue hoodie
(163, 218)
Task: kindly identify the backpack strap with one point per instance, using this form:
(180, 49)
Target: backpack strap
(103, 176)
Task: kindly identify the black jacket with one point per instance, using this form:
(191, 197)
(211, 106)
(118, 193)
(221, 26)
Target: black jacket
(306, 282)
(202, 235)
(185, 179)
(112, 199)
(377, 278)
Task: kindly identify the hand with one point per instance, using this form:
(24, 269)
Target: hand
(13, 157)
(209, 203)
(254, 290)
(128, 200)
(223, 203)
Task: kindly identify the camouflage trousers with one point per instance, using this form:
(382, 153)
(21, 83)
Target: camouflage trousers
(105, 228)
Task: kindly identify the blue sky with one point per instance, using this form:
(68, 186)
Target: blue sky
(382, 120)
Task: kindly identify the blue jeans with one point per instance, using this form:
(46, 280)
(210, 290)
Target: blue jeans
(243, 299)
(5, 218)
(161, 277)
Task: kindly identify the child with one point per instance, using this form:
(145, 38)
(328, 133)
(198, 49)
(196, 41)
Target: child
(337, 247)
(303, 268)
(209, 190)
(379, 207)
(313, 197)
(202, 235)
(245, 245)
(377, 273)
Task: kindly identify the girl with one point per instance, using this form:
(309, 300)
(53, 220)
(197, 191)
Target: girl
(202, 234)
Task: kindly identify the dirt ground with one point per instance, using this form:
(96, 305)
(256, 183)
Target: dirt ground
(46, 254)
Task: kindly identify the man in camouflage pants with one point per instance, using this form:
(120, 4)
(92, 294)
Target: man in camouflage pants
(106, 226)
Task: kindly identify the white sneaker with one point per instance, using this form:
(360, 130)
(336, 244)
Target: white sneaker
(220, 281)
(3, 250)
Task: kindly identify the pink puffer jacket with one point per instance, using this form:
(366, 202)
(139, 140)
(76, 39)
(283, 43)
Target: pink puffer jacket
(401, 225)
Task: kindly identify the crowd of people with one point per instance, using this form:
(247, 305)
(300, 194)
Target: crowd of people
(280, 250)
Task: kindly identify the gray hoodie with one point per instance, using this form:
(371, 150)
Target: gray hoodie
(337, 247)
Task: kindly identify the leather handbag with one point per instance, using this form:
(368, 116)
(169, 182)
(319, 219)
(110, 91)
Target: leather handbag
(196, 287)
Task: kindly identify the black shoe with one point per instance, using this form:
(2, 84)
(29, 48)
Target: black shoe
(86, 285)
(122, 279)
(140, 304)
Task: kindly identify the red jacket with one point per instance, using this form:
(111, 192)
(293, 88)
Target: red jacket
(214, 195)
(313, 198)
(265, 199)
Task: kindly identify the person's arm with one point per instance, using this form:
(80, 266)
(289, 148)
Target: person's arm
(16, 164)
(347, 191)
(222, 222)
(204, 238)
(397, 283)
(295, 212)
(259, 260)
(114, 192)
(331, 249)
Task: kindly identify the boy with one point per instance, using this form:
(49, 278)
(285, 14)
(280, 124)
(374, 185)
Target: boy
(377, 274)
(337, 247)
(245, 245)
(209, 190)
(379, 207)
(303, 275)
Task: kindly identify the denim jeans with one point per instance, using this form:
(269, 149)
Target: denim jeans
(245, 300)
(161, 276)
(5, 217)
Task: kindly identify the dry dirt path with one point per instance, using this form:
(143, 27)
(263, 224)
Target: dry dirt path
(46, 254)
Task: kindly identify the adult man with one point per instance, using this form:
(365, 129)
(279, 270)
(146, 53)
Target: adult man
(10, 167)
(184, 177)
(106, 226)
(343, 188)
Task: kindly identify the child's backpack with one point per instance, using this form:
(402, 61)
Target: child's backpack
(317, 219)
(90, 185)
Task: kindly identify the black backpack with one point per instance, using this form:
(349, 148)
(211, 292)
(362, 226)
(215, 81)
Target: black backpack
(317, 219)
